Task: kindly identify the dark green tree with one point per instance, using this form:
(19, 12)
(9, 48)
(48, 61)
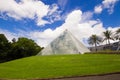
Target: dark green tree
(24, 47)
(5, 47)
(13, 40)
(94, 40)
(117, 37)
(108, 36)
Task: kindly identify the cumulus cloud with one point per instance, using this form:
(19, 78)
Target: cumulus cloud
(106, 4)
(78, 23)
(8, 34)
(86, 16)
(109, 4)
(31, 9)
(80, 29)
(25, 9)
(98, 9)
(54, 14)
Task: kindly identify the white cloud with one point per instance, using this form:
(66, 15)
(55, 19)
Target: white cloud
(62, 3)
(53, 8)
(80, 29)
(98, 9)
(8, 34)
(109, 4)
(41, 22)
(32, 9)
(2, 16)
(16, 35)
(86, 16)
(77, 22)
(54, 13)
(106, 4)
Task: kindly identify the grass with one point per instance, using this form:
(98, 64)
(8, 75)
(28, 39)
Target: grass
(60, 66)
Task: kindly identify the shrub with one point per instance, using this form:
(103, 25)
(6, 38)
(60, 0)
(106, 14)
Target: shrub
(104, 52)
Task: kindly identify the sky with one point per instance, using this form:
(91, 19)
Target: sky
(44, 20)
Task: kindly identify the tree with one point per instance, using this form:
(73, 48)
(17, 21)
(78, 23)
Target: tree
(4, 48)
(13, 40)
(24, 47)
(94, 40)
(108, 36)
(117, 37)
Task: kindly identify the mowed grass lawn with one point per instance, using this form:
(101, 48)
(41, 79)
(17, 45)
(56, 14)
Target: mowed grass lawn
(60, 66)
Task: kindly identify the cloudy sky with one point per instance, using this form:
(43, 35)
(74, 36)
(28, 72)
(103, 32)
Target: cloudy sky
(44, 20)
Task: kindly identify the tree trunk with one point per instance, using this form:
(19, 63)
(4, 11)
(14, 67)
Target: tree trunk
(106, 42)
(95, 47)
(118, 46)
(109, 42)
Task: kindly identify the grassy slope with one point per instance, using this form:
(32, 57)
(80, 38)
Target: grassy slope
(59, 66)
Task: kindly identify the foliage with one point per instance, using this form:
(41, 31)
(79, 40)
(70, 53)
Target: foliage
(3, 43)
(13, 40)
(24, 47)
(4, 47)
(117, 34)
(94, 39)
(60, 66)
(117, 37)
(104, 52)
(108, 36)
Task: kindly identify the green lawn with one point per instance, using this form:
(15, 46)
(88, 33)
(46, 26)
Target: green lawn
(60, 66)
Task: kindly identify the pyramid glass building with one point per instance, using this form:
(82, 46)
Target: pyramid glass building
(66, 43)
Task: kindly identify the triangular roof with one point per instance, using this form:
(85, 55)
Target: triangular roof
(66, 43)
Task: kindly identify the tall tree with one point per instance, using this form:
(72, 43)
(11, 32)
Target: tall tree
(24, 47)
(117, 37)
(108, 36)
(94, 40)
(4, 47)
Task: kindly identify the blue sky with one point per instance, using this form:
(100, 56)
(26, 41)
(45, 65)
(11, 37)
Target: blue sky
(44, 20)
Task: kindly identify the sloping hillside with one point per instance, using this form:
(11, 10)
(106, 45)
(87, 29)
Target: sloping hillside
(60, 66)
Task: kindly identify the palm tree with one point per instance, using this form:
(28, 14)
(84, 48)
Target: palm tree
(117, 37)
(94, 40)
(117, 34)
(108, 36)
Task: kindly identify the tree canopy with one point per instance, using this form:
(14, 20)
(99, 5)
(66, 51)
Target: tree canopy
(94, 40)
(108, 35)
(23, 47)
(4, 47)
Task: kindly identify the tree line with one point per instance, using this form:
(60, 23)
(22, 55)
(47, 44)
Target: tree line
(108, 35)
(23, 47)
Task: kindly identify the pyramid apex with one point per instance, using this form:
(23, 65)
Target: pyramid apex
(66, 30)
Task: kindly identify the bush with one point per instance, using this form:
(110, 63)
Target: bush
(104, 52)
(24, 47)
